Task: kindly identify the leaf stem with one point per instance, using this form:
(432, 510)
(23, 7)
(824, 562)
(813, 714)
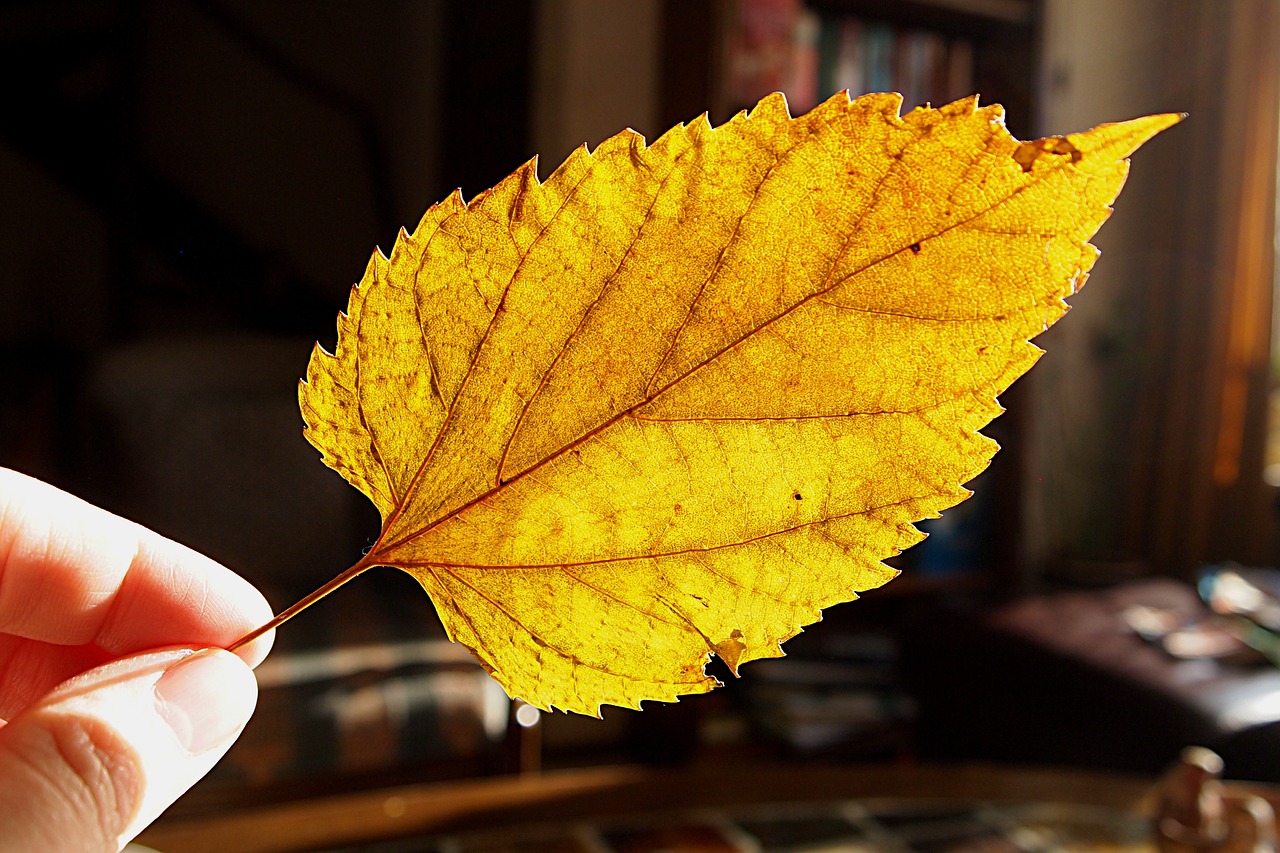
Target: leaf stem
(310, 599)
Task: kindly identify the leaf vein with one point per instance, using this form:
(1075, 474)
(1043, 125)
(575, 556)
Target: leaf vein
(610, 279)
(545, 643)
(866, 511)
(622, 601)
(724, 251)
(1034, 179)
(475, 359)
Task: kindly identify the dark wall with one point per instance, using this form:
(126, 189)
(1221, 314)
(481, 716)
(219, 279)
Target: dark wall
(189, 188)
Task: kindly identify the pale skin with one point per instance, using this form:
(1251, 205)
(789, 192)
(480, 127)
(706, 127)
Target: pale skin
(115, 692)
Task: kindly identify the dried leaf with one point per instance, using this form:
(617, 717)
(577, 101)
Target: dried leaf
(680, 397)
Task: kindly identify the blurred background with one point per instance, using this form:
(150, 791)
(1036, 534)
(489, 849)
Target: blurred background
(189, 188)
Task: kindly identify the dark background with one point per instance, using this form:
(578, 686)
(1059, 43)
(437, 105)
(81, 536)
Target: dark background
(189, 189)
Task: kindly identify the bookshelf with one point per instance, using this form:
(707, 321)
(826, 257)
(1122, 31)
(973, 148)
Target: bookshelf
(991, 47)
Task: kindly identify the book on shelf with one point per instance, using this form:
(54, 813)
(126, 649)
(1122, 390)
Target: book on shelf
(782, 45)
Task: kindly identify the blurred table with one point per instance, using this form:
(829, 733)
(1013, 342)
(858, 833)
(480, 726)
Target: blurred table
(721, 808)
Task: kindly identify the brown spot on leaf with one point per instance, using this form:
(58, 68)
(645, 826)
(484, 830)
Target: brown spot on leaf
(1027, 153)
(730, 650)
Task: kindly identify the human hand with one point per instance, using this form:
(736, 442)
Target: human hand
(136, 623)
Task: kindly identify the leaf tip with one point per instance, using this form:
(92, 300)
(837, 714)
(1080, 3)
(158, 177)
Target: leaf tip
(966, 106)
(890, 104)
(633, 137)
(1120, 139)
(771, 106)
(318, 351)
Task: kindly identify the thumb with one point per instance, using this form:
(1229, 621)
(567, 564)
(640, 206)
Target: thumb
(100, 757)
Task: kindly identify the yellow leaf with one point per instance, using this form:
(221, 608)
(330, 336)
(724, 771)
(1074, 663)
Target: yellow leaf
(680, 397)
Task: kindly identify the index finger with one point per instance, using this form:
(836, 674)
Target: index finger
(74, 574)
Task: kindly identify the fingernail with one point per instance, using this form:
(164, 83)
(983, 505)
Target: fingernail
(206, 698)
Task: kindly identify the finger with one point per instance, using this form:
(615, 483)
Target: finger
(73, 574)
(90, 766)
(30, 668)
